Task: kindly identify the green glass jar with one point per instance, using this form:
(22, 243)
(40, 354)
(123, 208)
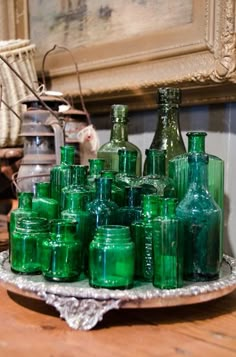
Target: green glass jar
(155, 178)
(26, 245)
(78, 184)
(61, 175)
(111, 258)
(42, 204)
(168, 136)
(167, 247)
(24, 210)
(119, 140)
(201, 220)
(132, 210)
(61, 253)
(75, 209)
(127, 169)
(116, 191)
(142, 232)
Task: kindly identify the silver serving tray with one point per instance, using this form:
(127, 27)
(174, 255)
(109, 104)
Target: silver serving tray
(83, 306)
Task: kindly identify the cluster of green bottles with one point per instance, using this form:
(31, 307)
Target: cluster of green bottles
(114, 226)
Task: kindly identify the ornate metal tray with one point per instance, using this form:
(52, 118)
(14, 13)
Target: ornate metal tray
(83, 307)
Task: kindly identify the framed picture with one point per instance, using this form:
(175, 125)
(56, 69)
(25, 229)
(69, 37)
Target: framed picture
(126, 49)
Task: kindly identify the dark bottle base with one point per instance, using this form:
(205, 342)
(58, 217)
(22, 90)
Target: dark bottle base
(56, 279)
(38, 272)
(111, 287)
(201, 277)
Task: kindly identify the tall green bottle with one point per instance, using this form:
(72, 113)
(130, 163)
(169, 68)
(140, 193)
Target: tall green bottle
(78, 184)
(60, 175)
(155, 181)
(167, 247)
(45, 206)
(201, 220)
(127, 169)
(131, 212)
(168, 135)
(141, 233)
(116, 191)
(75, 209)
(119, 140)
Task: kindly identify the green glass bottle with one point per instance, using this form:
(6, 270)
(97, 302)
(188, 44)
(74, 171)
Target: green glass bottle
(61, 253)
(168, 135)
(132, 210)
(75, 209)
(79, 182)
(116, 191)
(141, 232)
(119, 140)
(167, 247)
(45, 206)
(24, 210)
(96, 166)
(201, 220)
(155, 178)
(27, 240)
(60, 175)
(102, 209)
(127, 172)
(111, 258)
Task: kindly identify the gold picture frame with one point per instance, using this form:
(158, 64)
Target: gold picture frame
(199, 56)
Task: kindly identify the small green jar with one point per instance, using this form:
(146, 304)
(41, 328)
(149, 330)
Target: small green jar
(111, 258)
(61, 253)
(26, 245)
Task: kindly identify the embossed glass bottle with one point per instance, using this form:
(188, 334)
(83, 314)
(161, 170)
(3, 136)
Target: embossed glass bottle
(168, 135)
(119, 140)
(45, 206)
(201, 221)
(26, 246)
(111, 258)
(75, 209)
(132, 210)
(60, 175)
(167, 247)
(127, 169)
(141, 232)
(155, 178)
(78, 184)
(61, 253)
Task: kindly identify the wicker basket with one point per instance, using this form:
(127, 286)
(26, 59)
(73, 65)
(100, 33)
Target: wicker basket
(18, 53)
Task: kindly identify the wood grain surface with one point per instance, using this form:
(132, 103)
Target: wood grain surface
(31, 328)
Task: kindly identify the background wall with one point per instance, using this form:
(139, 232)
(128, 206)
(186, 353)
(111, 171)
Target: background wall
(218, 121)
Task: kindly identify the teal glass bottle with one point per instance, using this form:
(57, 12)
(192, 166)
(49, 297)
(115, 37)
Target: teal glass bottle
(60, 175)
(167, 247)
(42, 204)
(111, 258)
(156, 178)
(102, 209)
(201, 220)
(78, 184)
(24, 210)
(132, 210)
(116, 191)
(61, 252)
(26, 245)
(141, 232)
(75, 209)
(168, 136)
(127, 169)
(119, 140)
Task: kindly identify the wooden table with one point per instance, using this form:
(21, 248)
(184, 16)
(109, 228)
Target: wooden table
(31, 328)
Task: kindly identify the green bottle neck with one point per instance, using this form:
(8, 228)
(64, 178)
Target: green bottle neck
(119, 132)
(76, 201)
(155, 162)
(79, 175)
(95, 167)
(150, 206)
(67, 155)
(25, 200)
(168, 118)
(127, 162)
(103, 188)
(167, 207)
(196, 142)
(133, 195)
(198, 171)
(42, 189)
